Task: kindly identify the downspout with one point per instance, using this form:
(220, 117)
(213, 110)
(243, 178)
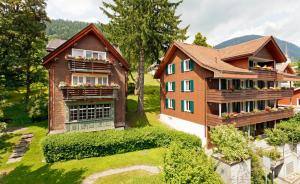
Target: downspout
(205, 110)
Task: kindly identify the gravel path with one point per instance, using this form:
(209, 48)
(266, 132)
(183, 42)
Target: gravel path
(92, 178)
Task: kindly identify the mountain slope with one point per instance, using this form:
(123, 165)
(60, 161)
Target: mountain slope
(293, 50)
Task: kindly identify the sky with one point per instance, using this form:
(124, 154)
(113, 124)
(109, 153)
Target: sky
(218, 20)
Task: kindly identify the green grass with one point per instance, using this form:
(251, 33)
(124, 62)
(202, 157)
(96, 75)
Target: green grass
(133, 177)
(32, 168)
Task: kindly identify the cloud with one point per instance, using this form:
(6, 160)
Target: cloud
(218, 20)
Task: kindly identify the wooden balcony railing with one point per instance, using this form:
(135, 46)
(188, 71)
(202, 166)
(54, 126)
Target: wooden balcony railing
(250, 118)
(89, 66)
(265, 74)
(226, 96)
(73, 93)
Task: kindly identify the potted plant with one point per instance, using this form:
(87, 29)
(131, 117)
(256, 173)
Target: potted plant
(268, 109)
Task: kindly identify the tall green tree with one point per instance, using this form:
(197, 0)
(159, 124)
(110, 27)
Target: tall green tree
(143, 30)
(22, 40)
(201, 40)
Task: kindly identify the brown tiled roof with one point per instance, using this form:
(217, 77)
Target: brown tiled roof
(280, 67)
(54, 43)
(244, 49)
(214, 59)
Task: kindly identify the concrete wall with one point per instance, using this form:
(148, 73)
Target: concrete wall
(185, 126)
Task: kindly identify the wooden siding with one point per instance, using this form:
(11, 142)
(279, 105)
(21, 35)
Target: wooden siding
(250, 118)
(71, 93)
(290, 101)
(265, 74)
(225, 96)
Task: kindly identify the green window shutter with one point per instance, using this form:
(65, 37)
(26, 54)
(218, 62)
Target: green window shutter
(167, 86)
(173, 68)
(182, 105)
(166, 70)
(192, 85)
(173, 86)
(191, 63)
(173, 102)
(192, 106)
(182, 67)
(166, 103)
(182, 86)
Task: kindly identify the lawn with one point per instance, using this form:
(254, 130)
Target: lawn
(33, 169)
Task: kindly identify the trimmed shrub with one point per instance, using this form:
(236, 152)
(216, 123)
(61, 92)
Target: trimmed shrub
(276, 137)
(102, 143)
(191, 166)
(230, 142)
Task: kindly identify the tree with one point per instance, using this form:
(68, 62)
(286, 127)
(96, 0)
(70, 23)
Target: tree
(200, 40)
(143, 30)
(23, 39)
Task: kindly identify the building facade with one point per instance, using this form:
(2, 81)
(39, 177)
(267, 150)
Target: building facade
(204, 87)
(87, 84)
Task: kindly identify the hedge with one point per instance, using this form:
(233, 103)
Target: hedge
(102, 143)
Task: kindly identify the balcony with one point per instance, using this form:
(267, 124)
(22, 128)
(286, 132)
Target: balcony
(88, 65)
(226, 96)
(264, 74)
(76, 93)
(250, 118)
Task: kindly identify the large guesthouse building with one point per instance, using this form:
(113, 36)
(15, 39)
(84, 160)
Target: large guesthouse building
(87, 84)
(205, 87)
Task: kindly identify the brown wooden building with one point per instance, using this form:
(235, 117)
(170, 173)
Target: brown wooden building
(87, 84)
(204, 87)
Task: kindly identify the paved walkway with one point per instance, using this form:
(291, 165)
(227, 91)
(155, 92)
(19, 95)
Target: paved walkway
(21, 148)
(92, 178)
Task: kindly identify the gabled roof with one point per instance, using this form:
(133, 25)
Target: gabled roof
(251, 48)
(91, 28)
(53, 44)
(281, 67)
(214, 59)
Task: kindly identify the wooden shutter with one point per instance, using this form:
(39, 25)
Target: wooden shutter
(166, 103)
(182, 85)
(173, 86)
(173, 103)
(167, 86)
(192, 106)
(192, 85)
(182, 105)
(173, 68)
(166, 70)
(182, 67)
(191, 63)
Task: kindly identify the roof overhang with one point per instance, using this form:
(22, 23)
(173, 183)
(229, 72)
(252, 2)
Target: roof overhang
(287, 77)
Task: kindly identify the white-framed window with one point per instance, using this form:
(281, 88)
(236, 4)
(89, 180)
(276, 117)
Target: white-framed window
(170, 69)
(187, 106)
(89, 112)
(171, 86)
(187, 86)
(88, 54)
(102, 80)
(170, 103)
(186, 65)
(91, 80)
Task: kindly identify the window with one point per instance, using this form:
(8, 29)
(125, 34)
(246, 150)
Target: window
(91, 80)
(89, 54)
(249, 84)
(236, 83)
(171, 69)
(261, 104)
(236, 107)
(187, 106)
(187, 65)
(75, 81)
(170, 103)
(170, 86)
(223, 84)
(224, 108)
(102, 80)
(89, 112)
(249, 106)
(187, 85)
(298, 101)
(251, 63)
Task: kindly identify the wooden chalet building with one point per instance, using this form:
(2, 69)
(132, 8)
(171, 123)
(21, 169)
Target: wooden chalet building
(204, 87)
(87, 84)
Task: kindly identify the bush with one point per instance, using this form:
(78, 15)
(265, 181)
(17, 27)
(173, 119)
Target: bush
(188, 166)
(230, 142)
(131, 88)
(2, 126)
(94, 144)
(276, 137)
(274, 154)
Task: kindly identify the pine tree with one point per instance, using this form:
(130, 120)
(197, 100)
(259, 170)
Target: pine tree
(143, 30)
(22, 40)
(200, 40)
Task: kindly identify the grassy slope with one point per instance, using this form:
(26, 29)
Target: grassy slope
(33, 169)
